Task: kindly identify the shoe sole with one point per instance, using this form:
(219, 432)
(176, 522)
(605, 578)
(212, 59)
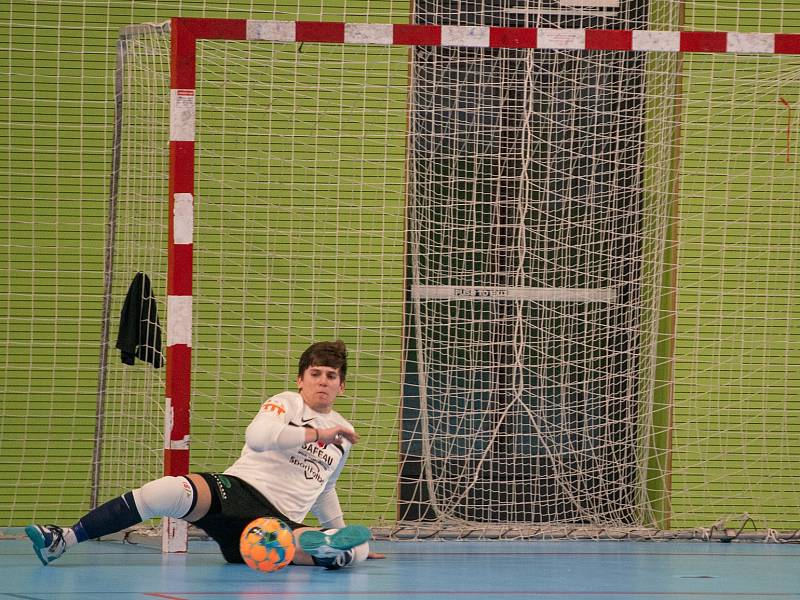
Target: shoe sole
(344, 539)
(39, 543)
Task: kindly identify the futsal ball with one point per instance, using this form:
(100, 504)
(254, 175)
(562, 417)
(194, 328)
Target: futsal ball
(267, 544)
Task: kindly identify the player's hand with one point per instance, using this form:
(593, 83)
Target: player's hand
(333, 435)
(375, 555)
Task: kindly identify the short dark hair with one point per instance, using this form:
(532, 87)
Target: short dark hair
(324, 354)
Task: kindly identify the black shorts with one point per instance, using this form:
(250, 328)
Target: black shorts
(234, 503)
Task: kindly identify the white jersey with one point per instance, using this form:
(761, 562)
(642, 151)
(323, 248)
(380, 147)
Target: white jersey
(294, 478)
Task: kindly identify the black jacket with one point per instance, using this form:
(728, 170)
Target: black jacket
(139, 329)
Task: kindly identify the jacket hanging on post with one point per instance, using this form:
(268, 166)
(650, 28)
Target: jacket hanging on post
(139, 330)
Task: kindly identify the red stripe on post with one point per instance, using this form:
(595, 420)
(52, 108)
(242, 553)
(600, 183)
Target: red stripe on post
(512, 37)
(609, 39)
(176, 462)
(181, 166)
(179, 257)
(182, 55)
(787, 43)
(179, 361)
(417, 35)
(315, 31)
(217, 29)
(180, 270)
(704, 41)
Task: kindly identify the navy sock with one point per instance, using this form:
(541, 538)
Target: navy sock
(115, 515)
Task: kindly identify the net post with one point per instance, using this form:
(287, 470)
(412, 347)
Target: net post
(183, 43)
(108, 268)
(179, 268)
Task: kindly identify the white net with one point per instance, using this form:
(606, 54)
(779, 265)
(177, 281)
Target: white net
(495, 235)
(535, 309)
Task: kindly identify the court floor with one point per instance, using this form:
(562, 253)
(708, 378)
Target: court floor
(428, 570)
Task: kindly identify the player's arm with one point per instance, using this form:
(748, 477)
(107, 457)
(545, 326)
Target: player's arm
(270, 429)
(328, 510)
(268, 433)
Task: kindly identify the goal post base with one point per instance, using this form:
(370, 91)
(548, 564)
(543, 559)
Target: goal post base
(522, 532)
(174, 535)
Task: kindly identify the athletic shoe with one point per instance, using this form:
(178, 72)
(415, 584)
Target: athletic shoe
(48, 542)
(334, 550)
(344, 558)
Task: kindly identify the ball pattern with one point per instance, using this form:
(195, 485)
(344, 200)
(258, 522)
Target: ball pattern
(267, 544)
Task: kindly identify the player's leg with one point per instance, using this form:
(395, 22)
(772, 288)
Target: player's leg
(235, 503)
(181, 497)
(331, 548)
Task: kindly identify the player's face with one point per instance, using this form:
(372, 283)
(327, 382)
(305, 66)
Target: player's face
(319, 387)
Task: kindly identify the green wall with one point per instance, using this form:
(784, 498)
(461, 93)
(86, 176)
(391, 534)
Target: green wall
(56, 110)
(736, 409)
(736, 440)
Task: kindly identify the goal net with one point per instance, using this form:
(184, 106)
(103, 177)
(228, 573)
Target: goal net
(563, 262)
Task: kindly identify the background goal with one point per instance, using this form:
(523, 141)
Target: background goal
(548, 171)
(494, 232)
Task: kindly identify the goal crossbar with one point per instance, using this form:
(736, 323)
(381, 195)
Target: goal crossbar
(475, 37)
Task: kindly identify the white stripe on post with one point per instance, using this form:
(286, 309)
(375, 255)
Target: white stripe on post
(359, 33)
(183, 218)
(179, 320)
(470, 36)
(175, 534)
(271, 31)
(561, 39)
(181, 115)
(757, 43)
(666, 41)
(588, 4)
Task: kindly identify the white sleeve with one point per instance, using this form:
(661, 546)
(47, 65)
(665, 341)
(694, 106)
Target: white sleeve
(328, 510)
(326, 507)
(267, 433)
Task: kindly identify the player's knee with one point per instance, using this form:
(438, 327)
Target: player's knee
(165, 497)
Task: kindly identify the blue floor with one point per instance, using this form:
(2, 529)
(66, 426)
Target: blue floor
(417, 571)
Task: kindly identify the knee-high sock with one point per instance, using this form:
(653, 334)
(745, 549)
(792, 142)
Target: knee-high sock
(115, 515)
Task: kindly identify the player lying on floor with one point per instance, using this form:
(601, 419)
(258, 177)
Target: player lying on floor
(295, 449)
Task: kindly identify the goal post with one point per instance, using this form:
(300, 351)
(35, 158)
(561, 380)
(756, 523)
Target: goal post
(492, 227)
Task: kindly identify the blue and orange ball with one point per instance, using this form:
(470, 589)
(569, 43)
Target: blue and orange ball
(267, 545)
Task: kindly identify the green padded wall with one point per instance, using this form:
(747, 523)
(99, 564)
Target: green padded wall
(737, 259)
(57, 113)
(736, 415)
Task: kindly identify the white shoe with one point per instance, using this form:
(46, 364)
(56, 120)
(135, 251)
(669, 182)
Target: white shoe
(334, 550)
(48, 542)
